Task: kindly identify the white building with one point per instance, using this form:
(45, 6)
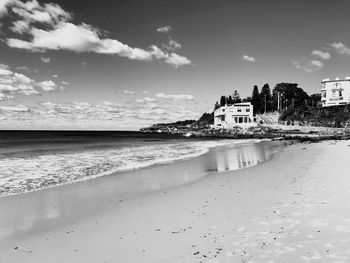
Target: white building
(335, 92)
(229, 116)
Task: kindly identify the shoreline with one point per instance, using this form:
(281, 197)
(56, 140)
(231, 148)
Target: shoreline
(129, 184)
(172, 160)
(267, 212)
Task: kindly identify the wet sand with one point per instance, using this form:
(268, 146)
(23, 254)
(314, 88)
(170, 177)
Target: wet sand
(293, 208)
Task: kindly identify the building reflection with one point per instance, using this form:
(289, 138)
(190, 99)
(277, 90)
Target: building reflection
(240, 157)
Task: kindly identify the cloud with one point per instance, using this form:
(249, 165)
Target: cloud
(176, 60)
(317, 63)
(3, 7)
(105, 115)
(14, 108)
(248, 59)
(146, 99)
(20, 27)
(129, 92)
(14, 83)
(175, 96)
(307, 65)
(32, 11)
(321, 54)
(24, 68)
(45, 59)
(47, 85)
(172, 45)
(340, 48)
(59, 33)
(164, 29)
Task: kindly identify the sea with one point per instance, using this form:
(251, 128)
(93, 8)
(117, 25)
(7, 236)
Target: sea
(35, 160)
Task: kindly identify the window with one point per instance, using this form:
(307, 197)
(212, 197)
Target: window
(223, 118)
(223, 110)
(240, 120)
(236, 119)
(245, 119)
(239, 110)
(247, 110)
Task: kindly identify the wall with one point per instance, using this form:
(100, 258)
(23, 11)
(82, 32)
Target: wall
(330, 92)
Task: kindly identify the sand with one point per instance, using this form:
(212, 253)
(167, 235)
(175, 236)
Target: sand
(293, 208)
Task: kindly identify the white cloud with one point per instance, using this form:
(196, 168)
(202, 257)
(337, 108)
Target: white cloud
(176, 60)
(14, 83)
(340, 48)
(145, 99)
(47, 85)
(61, 34)
(23, 68)
(45, 59)
(22, 78)
(307, 65)
(321, 54)
(164, 29)
(104, 115)
(32, 11)
(172, 45)
(175, 96)
(248, 58)
(317, 63)
(14, 108)
(129, 92)
(20, 27)
(40, 16)
(3, 7)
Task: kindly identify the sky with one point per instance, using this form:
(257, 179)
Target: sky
(122, 65)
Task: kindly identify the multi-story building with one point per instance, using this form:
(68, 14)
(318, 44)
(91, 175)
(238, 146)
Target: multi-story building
(335, 92)
(229, 116)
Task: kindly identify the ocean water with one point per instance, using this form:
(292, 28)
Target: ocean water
(34, 160)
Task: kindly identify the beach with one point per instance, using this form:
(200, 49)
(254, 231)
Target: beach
(291, 208)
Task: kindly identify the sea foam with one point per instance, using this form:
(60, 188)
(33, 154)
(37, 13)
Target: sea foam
(35, 172)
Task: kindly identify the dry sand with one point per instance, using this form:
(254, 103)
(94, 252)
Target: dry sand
(293, 208)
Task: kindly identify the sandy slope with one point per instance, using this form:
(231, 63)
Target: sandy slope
(294, 208)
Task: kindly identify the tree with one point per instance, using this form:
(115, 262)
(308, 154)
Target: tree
(230, 100)
(247, 99)
(236, 98)
(223, 101)
(216, 106)
(265, 99)
(256, 99)
(206, 119)
(290, 95)
(315, 100)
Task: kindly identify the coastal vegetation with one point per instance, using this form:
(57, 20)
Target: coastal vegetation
(293, 105)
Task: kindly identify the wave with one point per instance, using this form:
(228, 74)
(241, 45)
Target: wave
(35, 172)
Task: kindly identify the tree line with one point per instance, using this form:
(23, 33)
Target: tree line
(283, 96)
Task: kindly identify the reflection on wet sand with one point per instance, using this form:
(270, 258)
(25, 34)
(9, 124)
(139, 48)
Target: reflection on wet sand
(39, 211)
(241, 157)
